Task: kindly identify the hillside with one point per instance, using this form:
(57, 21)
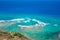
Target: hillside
(12, 36)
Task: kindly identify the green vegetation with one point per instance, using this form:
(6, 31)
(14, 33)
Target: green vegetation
(12, 36)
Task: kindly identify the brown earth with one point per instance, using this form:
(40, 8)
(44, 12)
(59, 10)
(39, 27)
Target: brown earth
(12, 36)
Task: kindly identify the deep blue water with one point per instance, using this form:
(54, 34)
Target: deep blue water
(30, 7)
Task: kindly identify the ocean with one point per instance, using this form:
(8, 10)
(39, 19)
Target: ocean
(38, 20)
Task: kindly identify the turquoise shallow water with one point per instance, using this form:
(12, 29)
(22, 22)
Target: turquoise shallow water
(47, 32)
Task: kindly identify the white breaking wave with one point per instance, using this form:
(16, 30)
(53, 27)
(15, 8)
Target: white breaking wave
(19, 20)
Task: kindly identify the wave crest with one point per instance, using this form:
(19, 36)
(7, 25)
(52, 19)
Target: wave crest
(22, 20)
